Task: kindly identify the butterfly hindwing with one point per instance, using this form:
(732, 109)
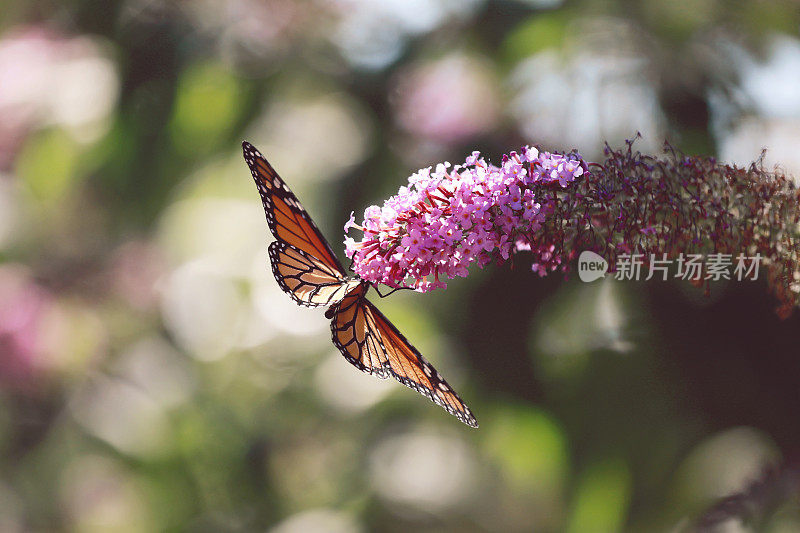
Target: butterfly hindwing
(305, 278)
(286, 216)
(354, 332)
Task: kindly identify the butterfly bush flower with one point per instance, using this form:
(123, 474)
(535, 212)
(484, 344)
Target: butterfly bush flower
(555, 205)
(450, 217)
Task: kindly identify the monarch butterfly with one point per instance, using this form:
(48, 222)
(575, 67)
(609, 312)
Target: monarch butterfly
(307, 269)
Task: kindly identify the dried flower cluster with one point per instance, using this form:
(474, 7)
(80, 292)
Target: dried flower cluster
(556, 205)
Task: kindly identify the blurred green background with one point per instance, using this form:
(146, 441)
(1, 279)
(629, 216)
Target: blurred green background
(153, 377)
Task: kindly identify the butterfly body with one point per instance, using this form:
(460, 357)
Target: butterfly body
(307, 269)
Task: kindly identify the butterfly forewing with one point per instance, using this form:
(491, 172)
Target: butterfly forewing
(369, 341)
(412, 370)
(286, 216)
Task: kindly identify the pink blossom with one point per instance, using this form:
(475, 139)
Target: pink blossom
(552, 206)
(450, 217)
(351, 223)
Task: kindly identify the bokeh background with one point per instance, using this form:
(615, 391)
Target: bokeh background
(153, 377)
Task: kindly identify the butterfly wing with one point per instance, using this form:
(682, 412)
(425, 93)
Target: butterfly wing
(369, 341)
(286, 216)
(355, 333)
(305, 278)
(302, 260)
(414, 371)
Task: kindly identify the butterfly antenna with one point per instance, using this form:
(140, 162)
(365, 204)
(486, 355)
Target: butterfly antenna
(390, 292)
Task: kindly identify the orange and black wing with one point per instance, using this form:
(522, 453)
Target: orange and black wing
(368, 340)
(305, 278)
(286, 216)
(355, 333)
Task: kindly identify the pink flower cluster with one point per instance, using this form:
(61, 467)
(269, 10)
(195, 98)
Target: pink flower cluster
(448, 218)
